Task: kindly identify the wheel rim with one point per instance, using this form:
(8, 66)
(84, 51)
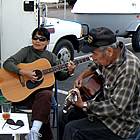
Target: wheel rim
(64, 55)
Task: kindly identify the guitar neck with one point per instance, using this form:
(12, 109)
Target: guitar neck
(65, 65)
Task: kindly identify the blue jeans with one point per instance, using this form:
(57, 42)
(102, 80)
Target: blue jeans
(74, 128)
(136, 136)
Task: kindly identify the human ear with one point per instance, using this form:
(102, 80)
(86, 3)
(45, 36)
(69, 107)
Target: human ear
(109, 51)
(47, 42)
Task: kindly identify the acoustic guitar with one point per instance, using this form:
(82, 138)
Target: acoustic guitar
(90, 90)
(16, 88)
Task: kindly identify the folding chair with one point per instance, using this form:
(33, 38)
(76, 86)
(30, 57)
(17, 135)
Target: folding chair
(55, 110)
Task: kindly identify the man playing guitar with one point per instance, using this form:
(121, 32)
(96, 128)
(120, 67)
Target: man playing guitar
(115, 116)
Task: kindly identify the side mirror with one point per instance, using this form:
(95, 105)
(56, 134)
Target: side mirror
(85, 30)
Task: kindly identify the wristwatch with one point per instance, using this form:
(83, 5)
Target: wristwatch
(85, 106)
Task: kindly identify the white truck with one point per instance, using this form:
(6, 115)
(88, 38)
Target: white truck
(20, 17)
(65, 37)
(121, 16)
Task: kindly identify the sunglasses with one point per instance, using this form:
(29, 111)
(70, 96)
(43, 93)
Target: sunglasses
(42, 39)
(11, 122)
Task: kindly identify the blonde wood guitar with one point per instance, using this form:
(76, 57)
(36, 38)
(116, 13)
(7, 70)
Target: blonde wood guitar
(16, 88)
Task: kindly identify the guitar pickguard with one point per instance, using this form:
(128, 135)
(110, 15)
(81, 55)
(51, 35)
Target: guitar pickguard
(31, 85)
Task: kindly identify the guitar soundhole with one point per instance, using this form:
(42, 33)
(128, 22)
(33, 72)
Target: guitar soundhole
(38, 74)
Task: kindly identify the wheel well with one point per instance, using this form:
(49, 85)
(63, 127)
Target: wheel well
(72, 39)
(130, 33)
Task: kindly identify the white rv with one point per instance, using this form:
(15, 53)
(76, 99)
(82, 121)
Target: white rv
(121, 16)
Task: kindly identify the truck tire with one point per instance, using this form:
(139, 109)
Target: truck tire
(136, 40)
(64, 51)
(71, 3)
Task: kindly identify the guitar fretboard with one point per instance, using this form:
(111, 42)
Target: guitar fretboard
(65, 66)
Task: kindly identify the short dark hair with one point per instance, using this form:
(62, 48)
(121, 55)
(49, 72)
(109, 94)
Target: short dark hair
(41, 31)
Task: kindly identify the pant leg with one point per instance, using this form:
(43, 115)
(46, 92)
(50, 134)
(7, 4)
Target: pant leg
(46, 132)
(83, 129)
(64, 118)
(41, 109)
(42, 106)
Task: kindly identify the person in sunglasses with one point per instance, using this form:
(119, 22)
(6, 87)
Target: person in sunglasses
(115, 114)
(41, 100)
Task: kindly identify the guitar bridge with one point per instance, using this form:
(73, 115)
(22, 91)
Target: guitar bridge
(21, 80)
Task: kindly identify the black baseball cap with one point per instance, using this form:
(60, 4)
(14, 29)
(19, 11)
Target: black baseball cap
(98, 37)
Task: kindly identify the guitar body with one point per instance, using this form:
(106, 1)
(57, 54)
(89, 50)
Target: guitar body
(12, 88)
(91, 88)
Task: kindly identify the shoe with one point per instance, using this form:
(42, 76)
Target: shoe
(33, 136)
